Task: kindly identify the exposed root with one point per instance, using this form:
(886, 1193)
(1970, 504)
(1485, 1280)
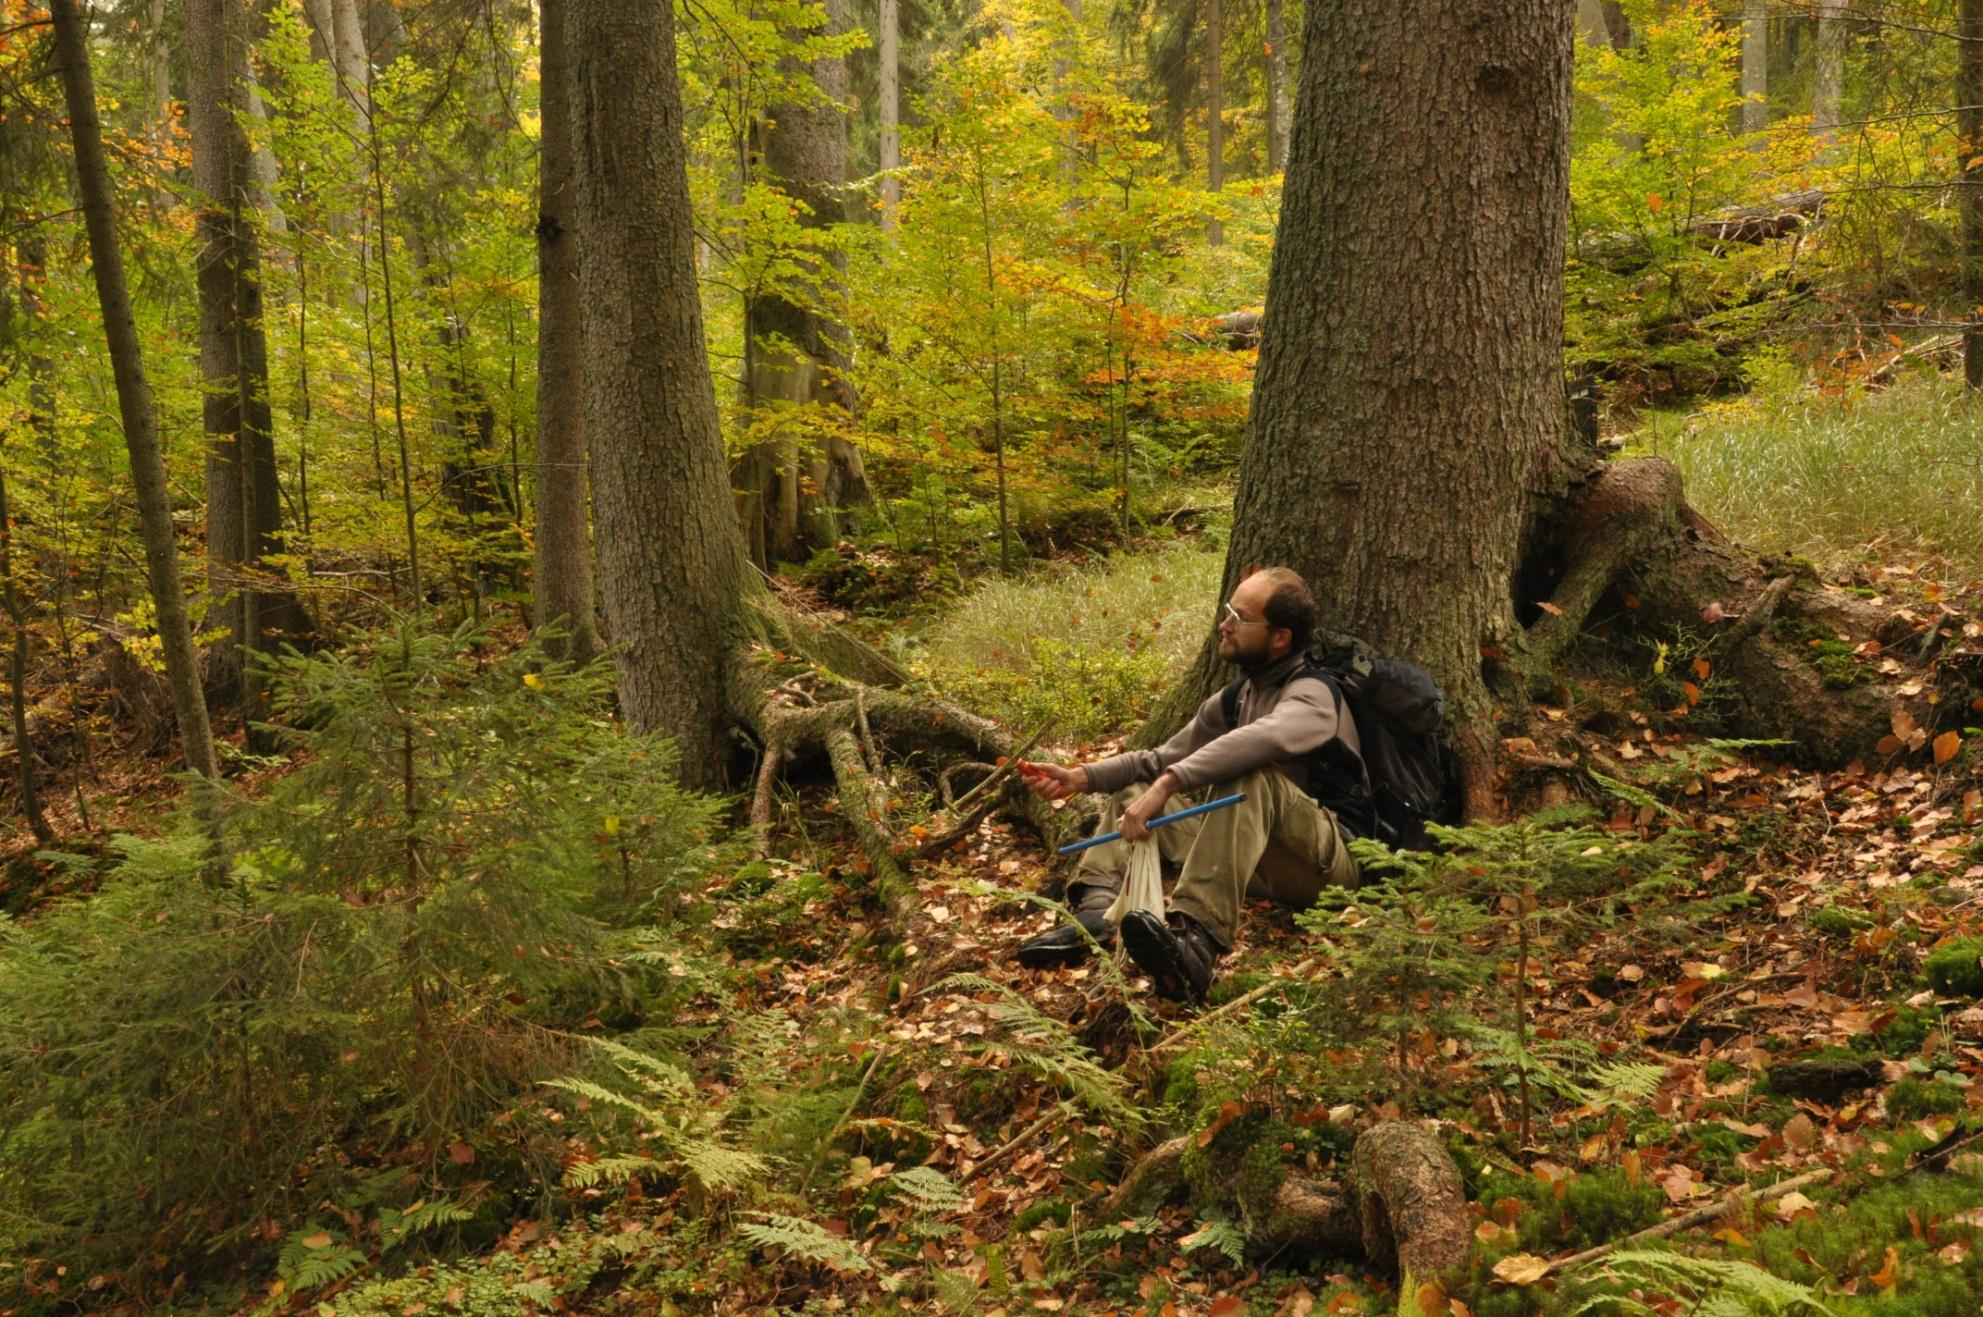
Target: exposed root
(1630, 535)
(1405, 1207)
(1408, 1196)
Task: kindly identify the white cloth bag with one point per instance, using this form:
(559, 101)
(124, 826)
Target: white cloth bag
(1143, 886)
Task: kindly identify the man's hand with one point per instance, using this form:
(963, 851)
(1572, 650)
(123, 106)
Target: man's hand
(1051, 781)
(1149, 805)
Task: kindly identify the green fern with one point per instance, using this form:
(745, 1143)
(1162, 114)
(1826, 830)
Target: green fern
(1221, 1234)
(1045, 1046)
(928, 1190)
(312, 1258)
(398, 1226)
(805, 1240)
(1714, 1287)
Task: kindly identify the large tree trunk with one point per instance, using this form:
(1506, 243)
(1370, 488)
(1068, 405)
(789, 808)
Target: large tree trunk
(1277, 87)
(1755, 65)
(1408, 408)
(798, 356)
(134, 400)
(1215, 110)
(244, 514)
(564, 539)
(672, 565)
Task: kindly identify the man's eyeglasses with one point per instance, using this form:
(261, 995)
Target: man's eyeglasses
(1227, 613)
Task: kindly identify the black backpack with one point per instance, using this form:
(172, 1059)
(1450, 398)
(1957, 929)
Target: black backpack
(1400, 714)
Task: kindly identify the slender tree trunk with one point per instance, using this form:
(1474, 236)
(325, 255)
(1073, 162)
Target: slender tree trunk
(1215, 110)
(31, 257)
(564, 593)
(1828, 75)
(1408, 407)
(672, 567)
(17, 668)
(134, 401)
(798, 355)
(891, 112)
(1755, 65)
(244, 515)
(1969, 128)
(1277, 87)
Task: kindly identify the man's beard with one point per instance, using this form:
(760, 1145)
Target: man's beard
(1251, 663)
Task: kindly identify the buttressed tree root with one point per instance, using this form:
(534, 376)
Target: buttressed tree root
(1630, 536)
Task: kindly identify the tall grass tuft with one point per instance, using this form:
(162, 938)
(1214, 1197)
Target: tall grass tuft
(1838, 479)
(1086, 650)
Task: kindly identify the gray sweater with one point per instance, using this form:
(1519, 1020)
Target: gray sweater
(1279, 723)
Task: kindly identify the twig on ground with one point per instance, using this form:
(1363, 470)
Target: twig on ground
(1004, 1150)
(1699, 1216)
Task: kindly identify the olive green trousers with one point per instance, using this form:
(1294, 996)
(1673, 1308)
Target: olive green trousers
(1277, 843)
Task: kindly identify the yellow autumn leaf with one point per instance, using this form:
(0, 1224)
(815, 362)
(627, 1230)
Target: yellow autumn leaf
(533, 681)
(321, 1239)
(1521, 1269)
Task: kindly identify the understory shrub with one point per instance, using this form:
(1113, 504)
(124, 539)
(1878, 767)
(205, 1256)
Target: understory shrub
(407, 922)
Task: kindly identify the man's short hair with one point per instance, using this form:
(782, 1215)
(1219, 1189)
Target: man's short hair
(1290, 605)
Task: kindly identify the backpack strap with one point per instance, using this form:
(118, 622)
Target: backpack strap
(1229, 702)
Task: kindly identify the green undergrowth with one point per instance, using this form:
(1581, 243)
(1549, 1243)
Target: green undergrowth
(1826, 474)
(1084, 650)
(312, 1057)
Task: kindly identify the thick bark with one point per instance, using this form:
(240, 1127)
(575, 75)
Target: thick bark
(1404, 1206)
(564, 541)
(673, 571)
(1408, 1195)
(1215, 110)
(798, 356)
(244, 514)
(1408, 409)
(1755, 65)
(1969, 131)
(891, 112)
(134, 400)
(1277, 87)
(1828, 74)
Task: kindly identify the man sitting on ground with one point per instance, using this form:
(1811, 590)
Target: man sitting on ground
(1292, 748)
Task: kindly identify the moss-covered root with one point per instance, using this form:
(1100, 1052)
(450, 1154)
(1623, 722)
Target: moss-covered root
(1407, 1193)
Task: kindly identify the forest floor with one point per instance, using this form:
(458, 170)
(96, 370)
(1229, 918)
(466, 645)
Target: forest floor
(948, 1129)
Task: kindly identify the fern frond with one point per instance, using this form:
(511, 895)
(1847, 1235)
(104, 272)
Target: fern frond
(312, 1258)
(1219, 1234)
(717, 1166)
(808, 1241)
(928, 1189)
(1733, 1289)
(609, 1170)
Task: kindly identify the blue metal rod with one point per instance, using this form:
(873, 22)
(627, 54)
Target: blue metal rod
(1157, 822)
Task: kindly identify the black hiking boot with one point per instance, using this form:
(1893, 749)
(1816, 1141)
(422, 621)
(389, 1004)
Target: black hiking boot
(1069, 944)
(1178, 957)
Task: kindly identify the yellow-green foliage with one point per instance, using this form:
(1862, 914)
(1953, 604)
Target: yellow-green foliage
(1083, 650)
